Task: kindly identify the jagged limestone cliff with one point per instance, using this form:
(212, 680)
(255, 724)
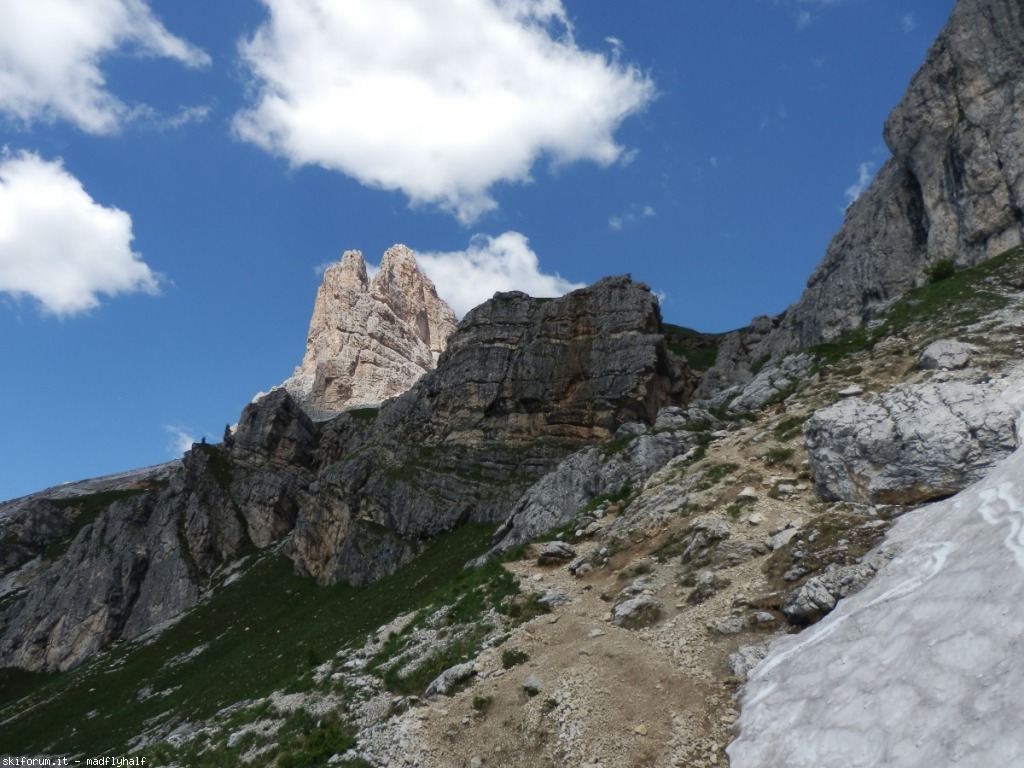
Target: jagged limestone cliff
(370, 339)
(952, 189)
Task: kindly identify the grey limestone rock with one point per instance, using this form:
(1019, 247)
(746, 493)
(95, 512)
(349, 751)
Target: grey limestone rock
(953, 189)
(554, 597)
(784, 537)
(122, 573)
(945, 353)
(274, 428)
(913, 443)
(444, 683)
(143, 560)
(701, 538)
(573, 368)
(27, 527)
(819, 594)
(773, 381)
(736, 354)
(746, 658)
(556, 552)
(705, 584)
(637, 612)
(558, 496)
(731, 626)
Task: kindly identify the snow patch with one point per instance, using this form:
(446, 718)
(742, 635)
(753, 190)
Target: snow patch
(925, 666)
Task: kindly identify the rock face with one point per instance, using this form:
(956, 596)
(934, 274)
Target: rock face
(572, 368)
(138, 564)
(151, 555)
(953, 188)
(370, 340)
(560, 495)
(912, 444)
(523, 383)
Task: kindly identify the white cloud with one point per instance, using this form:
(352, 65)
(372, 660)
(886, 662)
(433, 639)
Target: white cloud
(634, 214)
(181, 439)
(439, 100)
(504, 263)
(57, 244)
(865, 172)
(908, 23)
(50, 53)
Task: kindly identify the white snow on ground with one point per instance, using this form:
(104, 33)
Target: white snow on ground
(925, 666)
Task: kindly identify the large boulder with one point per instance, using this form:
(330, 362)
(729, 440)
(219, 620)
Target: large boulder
(913, 443)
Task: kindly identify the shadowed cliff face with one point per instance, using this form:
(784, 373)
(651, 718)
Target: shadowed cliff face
(523, 383)
(953, 188)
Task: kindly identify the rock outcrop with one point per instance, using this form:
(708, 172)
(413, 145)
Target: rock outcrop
(370, 339)
(953, 188)
(562, 494)
(572, 368)
(144, 561)
(912, 444)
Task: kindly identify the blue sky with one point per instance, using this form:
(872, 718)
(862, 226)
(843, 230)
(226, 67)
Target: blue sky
(174, 173)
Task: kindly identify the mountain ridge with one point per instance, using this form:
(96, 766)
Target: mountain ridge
(644, 537)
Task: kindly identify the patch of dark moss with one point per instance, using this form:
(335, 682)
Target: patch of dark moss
(366, 414)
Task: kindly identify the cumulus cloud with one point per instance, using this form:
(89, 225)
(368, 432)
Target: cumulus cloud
(439, 100)
(50, 54)
(490, 264)
(865, 172)
(57, 244)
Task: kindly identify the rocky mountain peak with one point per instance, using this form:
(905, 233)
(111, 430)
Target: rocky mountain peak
(370, 339)
(953, 188)
(412, 296)
(349, 273)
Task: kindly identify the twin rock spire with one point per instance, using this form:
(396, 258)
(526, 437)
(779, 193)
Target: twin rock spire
(370, 339)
